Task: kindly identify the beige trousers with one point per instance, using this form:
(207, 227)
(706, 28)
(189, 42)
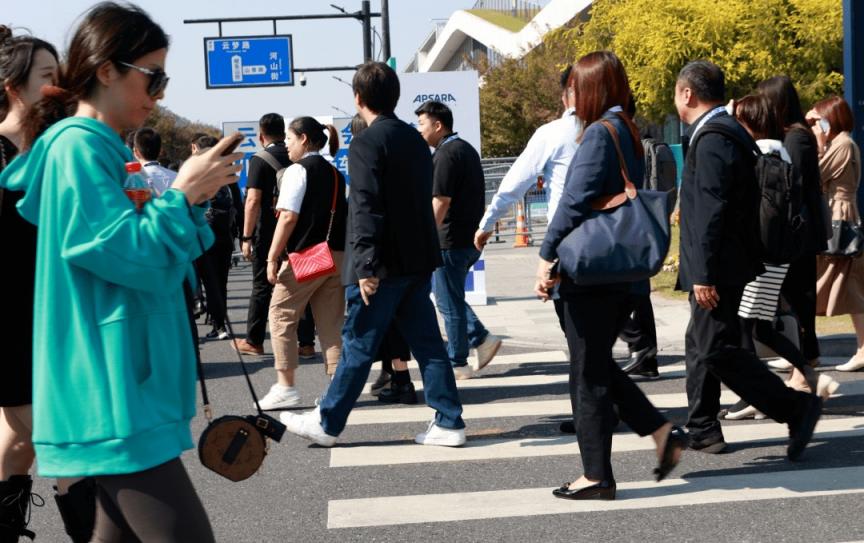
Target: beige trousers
(288, 304)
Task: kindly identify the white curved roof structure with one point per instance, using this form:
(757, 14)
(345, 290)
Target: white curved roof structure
(450, 40)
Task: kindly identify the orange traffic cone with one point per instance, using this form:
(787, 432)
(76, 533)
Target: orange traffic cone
(522, 239)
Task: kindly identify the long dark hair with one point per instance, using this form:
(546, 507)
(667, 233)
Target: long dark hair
(600, 82)
(109, 32)
(16, 61)
(314, 132)
(783, 99)
(755, 111)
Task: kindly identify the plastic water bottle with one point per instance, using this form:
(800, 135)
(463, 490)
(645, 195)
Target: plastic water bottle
(136, 186)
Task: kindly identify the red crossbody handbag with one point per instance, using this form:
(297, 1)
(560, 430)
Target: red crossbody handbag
(317, 260)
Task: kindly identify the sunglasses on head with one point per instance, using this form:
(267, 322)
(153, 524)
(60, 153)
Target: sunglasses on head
(158, 78)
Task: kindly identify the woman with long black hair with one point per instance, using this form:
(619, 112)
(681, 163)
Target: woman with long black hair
(113, 353)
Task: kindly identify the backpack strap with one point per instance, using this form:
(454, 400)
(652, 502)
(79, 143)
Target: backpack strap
(269, 159)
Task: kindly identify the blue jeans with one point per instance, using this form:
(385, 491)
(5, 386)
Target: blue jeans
(462, 325)
(405, 302)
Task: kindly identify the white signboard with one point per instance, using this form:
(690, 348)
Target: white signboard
(460, 91)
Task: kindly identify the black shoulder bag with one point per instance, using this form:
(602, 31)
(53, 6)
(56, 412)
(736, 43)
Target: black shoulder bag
(232, 446)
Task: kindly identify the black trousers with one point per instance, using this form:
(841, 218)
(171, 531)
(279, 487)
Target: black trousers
(158, 504)
(597, 384)
(213, 267)
(262, 290)
(306, 329)
(714, 354)
(799, 291)
(640, 330)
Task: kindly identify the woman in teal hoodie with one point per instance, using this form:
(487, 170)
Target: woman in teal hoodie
(113, 359)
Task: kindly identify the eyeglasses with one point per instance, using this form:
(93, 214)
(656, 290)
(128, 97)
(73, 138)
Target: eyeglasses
(158, 78)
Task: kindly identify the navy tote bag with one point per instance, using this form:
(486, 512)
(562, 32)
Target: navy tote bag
(624, 239)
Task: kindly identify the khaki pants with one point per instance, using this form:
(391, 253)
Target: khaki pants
(287, 305)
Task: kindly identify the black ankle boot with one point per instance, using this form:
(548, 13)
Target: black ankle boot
(14, 506)
(78, 509)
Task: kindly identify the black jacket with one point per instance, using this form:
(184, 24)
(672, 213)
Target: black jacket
(719, 209)
(801, 145)
(391, 229)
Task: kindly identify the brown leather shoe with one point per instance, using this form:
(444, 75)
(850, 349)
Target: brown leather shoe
(244, 347)
(306, 351)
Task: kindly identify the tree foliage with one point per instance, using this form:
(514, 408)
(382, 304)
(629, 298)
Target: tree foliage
(177, 133)
(750, 40)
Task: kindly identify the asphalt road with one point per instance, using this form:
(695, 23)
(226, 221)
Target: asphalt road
(498, 488)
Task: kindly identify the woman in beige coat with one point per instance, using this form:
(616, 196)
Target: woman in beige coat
(840, 280)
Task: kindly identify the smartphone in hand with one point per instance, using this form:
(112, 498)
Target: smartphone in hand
(238, 137)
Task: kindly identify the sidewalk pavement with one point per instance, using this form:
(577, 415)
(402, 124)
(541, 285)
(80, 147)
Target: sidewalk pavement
(514, 312)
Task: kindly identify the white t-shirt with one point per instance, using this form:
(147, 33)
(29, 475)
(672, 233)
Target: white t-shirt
(293, 187)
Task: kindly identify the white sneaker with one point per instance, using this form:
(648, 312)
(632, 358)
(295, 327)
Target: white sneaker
(780, 364)
(223, 334)
(444, 437)
(280, 397)
(486, 351)
(308, 426)
(854, 364)
(463, 372)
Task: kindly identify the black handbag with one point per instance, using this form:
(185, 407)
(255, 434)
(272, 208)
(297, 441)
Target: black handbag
(624, 239)
(232, 446)
(847, 239)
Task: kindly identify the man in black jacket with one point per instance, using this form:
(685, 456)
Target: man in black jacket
(391, 250)
(719, 255)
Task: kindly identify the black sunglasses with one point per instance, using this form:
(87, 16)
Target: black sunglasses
(158, 78)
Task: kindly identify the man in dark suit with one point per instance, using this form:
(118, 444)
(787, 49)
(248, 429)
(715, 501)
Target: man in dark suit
(391, 251)
(719, 255)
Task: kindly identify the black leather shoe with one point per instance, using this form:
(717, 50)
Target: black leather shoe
(648, 368)
(678, 440)
(801, 430)
(567, 427)
(639, 358)
(604, 490)
(398, 394)
(714, 444)
(382, 382)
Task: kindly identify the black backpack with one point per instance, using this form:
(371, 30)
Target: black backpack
(783, 227)
(220, 215)
(661, 172)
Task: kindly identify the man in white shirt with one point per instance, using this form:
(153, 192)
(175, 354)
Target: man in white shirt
(146, 146)
(548, 153)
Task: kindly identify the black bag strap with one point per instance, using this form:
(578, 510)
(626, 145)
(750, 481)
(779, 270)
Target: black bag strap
(187, 291)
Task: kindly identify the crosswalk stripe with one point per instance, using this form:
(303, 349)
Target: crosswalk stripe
(496, 381)
(551, 357)
(496, 449)
(538, 408)
(433, 508)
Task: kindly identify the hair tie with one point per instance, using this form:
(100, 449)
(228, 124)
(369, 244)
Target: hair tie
(56, 93)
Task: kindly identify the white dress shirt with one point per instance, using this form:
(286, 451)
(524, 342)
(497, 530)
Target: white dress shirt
(159, 178)
(548, 153)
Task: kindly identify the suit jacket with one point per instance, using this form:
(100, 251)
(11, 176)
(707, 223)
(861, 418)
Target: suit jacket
(594, 172)
(719, 209)
(391, 230)
(802, 148)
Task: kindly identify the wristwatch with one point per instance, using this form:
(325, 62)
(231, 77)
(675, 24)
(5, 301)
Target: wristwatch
(244, 239)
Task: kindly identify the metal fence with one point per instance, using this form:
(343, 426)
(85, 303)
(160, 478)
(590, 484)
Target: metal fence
(534, 203)
(521, 9)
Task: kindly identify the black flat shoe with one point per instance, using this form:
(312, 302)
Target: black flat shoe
(567, 427)
(638, 359)
(398, 394)
(604, 490)
(678, 440)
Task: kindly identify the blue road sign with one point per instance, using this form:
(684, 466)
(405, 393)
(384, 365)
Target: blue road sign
(248, 61)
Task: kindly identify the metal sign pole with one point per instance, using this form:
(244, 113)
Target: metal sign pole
(853, 70)
(367, 31)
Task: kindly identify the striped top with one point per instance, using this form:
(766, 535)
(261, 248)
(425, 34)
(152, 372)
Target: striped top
(761, 295)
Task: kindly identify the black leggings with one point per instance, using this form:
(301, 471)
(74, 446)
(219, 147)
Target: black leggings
(764, 332)
(158, 504)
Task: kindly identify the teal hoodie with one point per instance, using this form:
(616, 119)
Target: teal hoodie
(113, 358)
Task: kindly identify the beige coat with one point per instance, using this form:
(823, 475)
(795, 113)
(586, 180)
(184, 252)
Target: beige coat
(840, 281)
